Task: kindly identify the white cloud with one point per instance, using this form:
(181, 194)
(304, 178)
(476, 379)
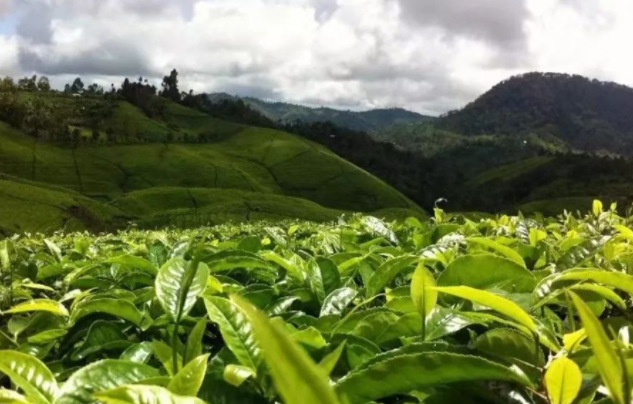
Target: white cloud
(8, 55)
(426, 55)
(585, 37)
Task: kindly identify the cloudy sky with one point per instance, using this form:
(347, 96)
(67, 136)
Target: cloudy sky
(426, 55)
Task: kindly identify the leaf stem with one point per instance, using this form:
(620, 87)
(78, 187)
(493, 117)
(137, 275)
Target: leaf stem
(570, 311)
(174, 346)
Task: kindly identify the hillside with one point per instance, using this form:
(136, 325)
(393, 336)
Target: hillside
(145, 159)
(588, 115)
(187, 166)
(368, 121)
(489, 173)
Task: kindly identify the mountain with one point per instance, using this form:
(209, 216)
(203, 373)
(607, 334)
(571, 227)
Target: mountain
(587, 115)
(366, 121)
(478, 171)
(183, 167)
(540, 141)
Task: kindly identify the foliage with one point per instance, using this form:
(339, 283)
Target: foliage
(589, 115)
(170, 87)
(353, 312)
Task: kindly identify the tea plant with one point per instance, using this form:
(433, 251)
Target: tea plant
(501, 310)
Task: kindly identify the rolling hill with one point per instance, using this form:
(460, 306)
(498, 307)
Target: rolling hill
(184, 167)
(478, 172)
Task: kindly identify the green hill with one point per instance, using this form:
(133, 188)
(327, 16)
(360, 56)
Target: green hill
(28, 206)
(214, 170)
(588, 115)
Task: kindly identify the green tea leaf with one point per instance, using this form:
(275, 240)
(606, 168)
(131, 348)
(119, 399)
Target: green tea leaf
(171, 285)
(328, 363)
(404, 373)
(323, 276)
(443, 321)
(237, 374)
(12, 397)
(608, 364)
(486, 271)
(139, 353)
(616, 280)
(508, 252)
(236, 330)
(29, 374)
(194, 340)
(508, 343)
(563, 380)
(297, 378)
(134, 262)
(422, 293)
(231, 259)
(596, 207)
(99, 376)
(114, 307)
(140, 394)
(165, 354)
(386, 272)
(47, 336)
(337, 301)
(48, 305)
(102, 335)
(188, 380)
(606, 293)
(495, 302)
(624, 232)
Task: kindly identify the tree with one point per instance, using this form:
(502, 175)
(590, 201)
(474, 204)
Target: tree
(12, 110)
(8, 85)
(28, 84)
(39, 119)
(77, 86)
(94, 89)
(43, 84)
(170, 87)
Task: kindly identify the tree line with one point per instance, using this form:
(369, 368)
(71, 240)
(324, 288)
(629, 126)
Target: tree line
(62, 120)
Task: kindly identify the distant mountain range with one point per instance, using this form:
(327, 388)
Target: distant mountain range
(537, 141)
(367, 121)
(561, 111)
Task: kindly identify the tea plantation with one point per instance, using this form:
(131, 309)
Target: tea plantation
(502, 309)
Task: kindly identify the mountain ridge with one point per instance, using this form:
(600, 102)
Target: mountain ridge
(371, 120)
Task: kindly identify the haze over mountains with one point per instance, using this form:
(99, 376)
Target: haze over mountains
(368, 121)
